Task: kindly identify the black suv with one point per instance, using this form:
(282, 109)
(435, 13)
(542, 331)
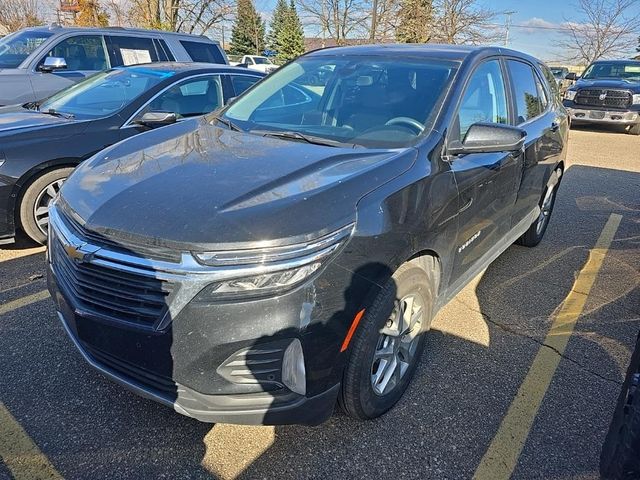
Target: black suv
(258, 264)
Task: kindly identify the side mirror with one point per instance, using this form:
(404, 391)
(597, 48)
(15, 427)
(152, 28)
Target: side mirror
(488, 138)
(157, 119)
(51, 64)
(571, 76)
(230, 100)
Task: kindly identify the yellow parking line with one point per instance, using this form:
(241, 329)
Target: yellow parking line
(23, 301)
(502, 455)
(18, 452)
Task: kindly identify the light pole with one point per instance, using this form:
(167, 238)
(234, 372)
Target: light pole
(508, 26)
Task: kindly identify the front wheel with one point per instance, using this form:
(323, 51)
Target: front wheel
(34, 207)
(388, 344)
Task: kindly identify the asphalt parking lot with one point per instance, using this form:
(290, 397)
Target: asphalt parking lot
(499, 392)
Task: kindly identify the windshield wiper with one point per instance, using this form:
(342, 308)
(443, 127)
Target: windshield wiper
(31, 106)
(55, 113)
(228, 123)
(303, 137)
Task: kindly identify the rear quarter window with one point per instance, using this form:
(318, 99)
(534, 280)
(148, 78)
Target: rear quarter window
(203, 52)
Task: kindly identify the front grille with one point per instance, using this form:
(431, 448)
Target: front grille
(108, 292)
(591, 97)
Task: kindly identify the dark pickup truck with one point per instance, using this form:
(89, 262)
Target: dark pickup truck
(607, 93)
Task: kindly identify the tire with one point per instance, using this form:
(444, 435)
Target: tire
(33, 218)
(634, 129)
(620, 457)
(533, 236)
(368, 390)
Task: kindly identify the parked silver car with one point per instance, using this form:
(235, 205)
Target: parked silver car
(37, 62)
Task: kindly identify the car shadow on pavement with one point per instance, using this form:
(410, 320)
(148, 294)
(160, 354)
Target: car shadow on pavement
(477, 354)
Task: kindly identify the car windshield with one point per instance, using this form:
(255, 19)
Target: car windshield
(629, 71)
(104, 93)
(261, 60)
(15, 48)
(346, 100)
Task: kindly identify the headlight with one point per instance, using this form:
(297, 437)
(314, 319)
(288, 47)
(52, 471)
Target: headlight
(264, 271)
(636, 101)
(570, 94)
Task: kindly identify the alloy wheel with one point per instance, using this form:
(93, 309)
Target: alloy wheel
(41, 205)
(545, 210)
(397, 344)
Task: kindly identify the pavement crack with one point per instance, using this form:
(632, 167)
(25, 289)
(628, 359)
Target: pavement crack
(562, 355)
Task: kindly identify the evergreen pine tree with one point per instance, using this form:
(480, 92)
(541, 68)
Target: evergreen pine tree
(290, 39)
(277, 22)
(415, 21)
(247, 36)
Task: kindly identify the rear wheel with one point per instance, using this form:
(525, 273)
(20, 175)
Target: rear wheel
(388, 344)
(534, 234)
(34, 206)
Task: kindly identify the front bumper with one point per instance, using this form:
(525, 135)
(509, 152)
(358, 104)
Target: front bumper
(258, 404)
(584, 115)
(216, 362)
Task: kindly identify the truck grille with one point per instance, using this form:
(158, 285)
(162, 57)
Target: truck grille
(592, 97)
(108, 292)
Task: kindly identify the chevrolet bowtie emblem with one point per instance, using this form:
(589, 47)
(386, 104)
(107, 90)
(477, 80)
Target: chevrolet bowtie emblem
(603, 95)
(81, 253)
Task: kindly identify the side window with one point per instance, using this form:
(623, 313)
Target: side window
(485, 98)
(203, 52)
(242, 83)
(550, 79)
(528, 102)
(542, 93)
(188, 98)
(82, 53)
(131, 50)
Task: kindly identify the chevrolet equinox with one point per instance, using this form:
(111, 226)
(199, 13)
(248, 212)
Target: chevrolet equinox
(258, 264)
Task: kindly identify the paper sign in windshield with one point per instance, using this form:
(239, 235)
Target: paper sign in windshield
(133, 57)
(632, 68)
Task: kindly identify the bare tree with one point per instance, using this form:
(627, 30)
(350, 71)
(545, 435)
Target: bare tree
(117, 11)
(190, 16)
(608, 30)
(384, 20)
(464, 22)
(17, 14)
(199, 16)
(338, 20)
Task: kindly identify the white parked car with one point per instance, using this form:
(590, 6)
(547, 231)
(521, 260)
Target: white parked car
(257, 62)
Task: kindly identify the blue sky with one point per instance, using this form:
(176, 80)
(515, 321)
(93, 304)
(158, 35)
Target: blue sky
(541, 16)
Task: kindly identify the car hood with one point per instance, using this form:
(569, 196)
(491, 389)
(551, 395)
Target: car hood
(12, 120)
(195, 186)
(632, 86)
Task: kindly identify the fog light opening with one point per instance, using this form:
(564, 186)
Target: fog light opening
(293, 372)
